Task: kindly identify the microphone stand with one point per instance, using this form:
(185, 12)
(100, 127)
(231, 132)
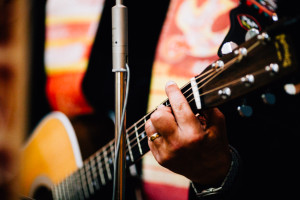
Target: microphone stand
(120, 57)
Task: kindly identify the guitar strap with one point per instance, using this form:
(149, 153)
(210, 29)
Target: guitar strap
(70, 30)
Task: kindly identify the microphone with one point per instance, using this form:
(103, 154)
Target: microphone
(119, 37)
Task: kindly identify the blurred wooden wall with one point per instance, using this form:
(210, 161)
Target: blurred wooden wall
(14, 66)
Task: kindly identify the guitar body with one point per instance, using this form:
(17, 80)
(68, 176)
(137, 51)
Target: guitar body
(50, 155)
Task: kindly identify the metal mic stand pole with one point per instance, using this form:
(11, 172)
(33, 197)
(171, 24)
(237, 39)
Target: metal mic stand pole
(120, 56)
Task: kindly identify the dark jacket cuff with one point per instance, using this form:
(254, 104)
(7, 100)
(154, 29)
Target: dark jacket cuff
(220, 192)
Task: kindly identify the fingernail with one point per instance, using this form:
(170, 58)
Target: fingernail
(170, 83)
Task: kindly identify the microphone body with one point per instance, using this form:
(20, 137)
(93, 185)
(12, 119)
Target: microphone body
(119, 37)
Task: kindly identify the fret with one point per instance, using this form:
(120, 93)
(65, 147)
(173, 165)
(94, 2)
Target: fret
(112, 149)
(63, 195)
(94, 173)
(66, 189)
(143, 134)
(83, 182)
(192, 93)
(129, 148)
(145, 120)
(144, 142)
(111, 156)
(137, 139)
(55, 193)
(107, 165)
(59, 191)
(79, 187)
(100, 168)
(71, 187)
(89, 177)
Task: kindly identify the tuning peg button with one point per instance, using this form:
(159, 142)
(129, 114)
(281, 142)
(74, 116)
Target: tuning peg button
(273, 68)
(248, 80)
(268, 98)
(291, 88)
(241, 53)
(228, 47)
(245, 110)
(251, 33)
(263, 37)
(218, 64)
(224, 93)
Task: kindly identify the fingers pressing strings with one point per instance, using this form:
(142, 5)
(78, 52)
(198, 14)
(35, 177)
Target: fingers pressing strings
(202, 80)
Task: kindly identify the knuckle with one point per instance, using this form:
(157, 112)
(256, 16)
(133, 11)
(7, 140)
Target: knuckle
(156, 116)
(196, 137)
(175, 146)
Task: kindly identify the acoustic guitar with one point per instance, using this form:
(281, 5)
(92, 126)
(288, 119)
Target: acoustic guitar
(52, 162)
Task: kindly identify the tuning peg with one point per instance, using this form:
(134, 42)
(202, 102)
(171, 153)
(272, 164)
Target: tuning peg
(248, 80)
(251, 33)
(292, 89)
(245, 110)
(268, 98)
(273, 68)
(263, 37)
(228, 47)
(224, 93)
(240, 53)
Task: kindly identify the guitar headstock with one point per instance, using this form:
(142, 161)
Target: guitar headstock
(260, 62)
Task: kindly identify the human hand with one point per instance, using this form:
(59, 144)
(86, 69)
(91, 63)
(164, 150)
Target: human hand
(193, 146)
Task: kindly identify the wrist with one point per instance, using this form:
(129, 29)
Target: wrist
(224, 186)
